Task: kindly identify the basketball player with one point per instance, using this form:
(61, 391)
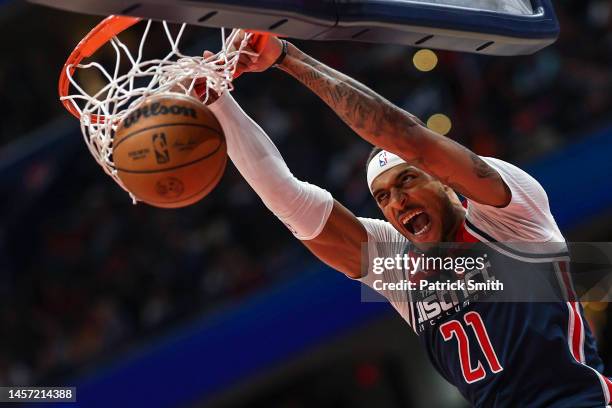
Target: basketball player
(496, 354)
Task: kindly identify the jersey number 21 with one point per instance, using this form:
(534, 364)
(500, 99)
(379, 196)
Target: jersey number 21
(456, 329)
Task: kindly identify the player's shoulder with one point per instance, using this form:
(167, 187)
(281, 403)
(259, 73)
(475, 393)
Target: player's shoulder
(526, 218)
(383, 238)
(384, 241)
(381, 230)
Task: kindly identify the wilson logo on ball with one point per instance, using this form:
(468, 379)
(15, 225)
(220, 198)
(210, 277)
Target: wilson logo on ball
(156, 109)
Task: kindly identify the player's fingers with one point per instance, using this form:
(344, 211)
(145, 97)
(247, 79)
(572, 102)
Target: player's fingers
(253, 57)
(209, 54)
(237, 40)
(244, 59)
(250, 52)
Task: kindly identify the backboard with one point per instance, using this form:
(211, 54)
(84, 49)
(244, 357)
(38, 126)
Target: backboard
(500, 27)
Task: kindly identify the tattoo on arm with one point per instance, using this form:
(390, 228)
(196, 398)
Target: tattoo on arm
(373, 117)
(481, 168)
(377, 120)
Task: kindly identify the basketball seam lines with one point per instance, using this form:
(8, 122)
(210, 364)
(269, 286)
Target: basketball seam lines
(171, 168)
(164, 125)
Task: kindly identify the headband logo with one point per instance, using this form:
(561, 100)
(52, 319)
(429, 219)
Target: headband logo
(382, 159)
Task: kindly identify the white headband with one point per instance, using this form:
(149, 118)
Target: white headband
(380, 163)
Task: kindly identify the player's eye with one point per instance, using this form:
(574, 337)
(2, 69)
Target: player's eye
(406, 178)
(382, 198)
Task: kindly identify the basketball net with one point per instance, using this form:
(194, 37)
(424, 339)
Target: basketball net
(101, 112)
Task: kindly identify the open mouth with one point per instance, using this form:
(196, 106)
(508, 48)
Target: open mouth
(417, 222)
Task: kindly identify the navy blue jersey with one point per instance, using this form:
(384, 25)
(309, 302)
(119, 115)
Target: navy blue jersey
(500, 352)
(509, 354)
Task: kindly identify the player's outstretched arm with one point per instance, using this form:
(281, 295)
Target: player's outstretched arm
(385, 125)
(328, 229)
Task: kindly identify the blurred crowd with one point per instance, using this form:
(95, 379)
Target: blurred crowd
(84, 273)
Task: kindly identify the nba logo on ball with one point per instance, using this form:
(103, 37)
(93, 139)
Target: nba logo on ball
(382, 158)
(160, 145)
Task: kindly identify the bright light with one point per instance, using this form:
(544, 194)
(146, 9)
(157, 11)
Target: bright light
(598, 306)
(425, 60)
(439, 123)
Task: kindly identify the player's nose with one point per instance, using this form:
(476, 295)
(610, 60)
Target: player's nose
(397, 198)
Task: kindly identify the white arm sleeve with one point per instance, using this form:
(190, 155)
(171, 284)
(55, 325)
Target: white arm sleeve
(302, 207)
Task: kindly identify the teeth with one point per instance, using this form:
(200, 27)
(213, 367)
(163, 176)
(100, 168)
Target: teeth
(408, 216)
(423, 230)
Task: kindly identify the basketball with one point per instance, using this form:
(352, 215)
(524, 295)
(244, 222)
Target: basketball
(170, 152)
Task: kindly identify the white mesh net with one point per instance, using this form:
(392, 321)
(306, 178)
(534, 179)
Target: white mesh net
(102, 111)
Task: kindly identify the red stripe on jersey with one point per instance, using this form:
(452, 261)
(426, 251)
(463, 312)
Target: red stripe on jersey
(608, 383)
(577, 336)
(463, 235)
(567, 281)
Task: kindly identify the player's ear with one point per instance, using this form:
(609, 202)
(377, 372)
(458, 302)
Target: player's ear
(449, 191)
(452, 194)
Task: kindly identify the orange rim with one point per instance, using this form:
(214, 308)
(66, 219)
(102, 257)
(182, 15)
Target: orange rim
(100, 35)
(93, 41)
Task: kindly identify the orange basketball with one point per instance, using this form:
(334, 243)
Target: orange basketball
(170, 152)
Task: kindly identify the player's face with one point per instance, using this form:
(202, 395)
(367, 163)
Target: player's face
(417, 204)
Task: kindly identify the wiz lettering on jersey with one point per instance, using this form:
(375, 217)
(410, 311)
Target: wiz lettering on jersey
(503, 353)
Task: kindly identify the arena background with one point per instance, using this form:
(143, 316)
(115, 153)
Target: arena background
(217, 304)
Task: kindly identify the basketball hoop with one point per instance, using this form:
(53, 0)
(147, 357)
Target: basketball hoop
(102, 111)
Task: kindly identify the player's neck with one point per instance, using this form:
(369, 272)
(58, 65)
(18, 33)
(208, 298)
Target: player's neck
(456, 217)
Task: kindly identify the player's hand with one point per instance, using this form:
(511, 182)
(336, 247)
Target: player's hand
(200, 89)
(249, 61)
(259, 61)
